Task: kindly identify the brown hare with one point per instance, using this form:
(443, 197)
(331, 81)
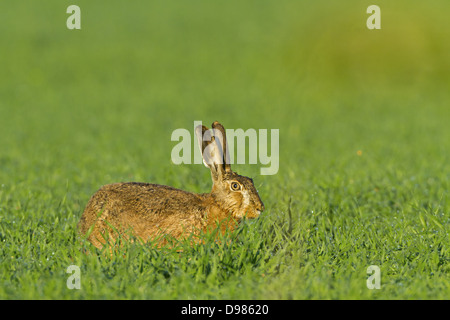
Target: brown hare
(151, 211)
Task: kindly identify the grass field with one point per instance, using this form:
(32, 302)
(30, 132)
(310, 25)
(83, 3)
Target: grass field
(364, 144)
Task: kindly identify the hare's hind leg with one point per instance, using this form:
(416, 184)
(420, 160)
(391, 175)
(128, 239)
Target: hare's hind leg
(97, 230)
(93, 225)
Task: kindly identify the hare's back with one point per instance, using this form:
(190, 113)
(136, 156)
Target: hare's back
(146, 199)
(147, 209)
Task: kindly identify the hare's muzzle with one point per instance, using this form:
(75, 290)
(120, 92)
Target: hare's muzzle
(259, 210)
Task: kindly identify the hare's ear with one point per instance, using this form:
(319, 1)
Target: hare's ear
(221, 137)
(200, 132)
(211, 150)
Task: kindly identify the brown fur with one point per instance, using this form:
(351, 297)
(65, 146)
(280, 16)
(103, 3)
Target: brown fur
(150, 211)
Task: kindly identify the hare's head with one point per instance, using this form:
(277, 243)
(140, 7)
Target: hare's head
(232, 192)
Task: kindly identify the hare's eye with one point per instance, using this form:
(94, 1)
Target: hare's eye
(235, 186)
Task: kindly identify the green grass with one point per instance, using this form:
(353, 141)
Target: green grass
(364, 144)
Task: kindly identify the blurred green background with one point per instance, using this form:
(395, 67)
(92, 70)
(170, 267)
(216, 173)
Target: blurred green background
(358, 110)
(138, 70)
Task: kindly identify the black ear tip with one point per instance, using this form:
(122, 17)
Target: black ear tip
(201, 128)
(217, 124)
